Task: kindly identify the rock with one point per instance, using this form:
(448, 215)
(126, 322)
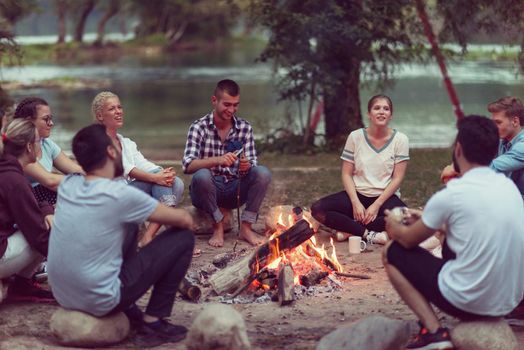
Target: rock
(218, 327)
(28, 343)
(372, 333)
(204, 222)
(484, 335)
(286, 211)
(75, 328)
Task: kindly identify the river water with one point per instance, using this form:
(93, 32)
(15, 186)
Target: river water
(163, 95)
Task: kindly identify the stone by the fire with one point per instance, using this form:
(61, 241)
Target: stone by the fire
(484, 335)
(204, 222)
(218, 327)
(372, 333)
(287, 215)
(75, 328)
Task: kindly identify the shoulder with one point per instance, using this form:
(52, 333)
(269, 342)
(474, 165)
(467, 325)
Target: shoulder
(400, 136)
(47, 143)
(203, 122)
(126, 141)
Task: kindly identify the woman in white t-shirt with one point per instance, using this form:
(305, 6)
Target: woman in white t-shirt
(43, 180)
(161, 183)
(375, 161)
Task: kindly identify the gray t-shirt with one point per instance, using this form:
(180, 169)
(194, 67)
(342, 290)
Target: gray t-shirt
(85, 247)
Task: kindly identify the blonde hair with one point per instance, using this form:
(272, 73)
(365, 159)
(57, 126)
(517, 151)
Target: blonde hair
(16, 135)
(98, 102)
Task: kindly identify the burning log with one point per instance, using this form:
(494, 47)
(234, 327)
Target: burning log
(312, 278)
(286, 288)
(189, 291)
(238, 273)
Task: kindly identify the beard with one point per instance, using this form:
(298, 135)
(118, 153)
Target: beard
(456, 166)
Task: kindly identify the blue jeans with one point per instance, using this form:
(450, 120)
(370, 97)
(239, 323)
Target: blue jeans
(209, 192)
(169, 196)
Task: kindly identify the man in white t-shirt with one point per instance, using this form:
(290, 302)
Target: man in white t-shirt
(481, 270)
(93, 262)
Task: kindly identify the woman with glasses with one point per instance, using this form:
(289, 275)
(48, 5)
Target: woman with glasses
(43, 180)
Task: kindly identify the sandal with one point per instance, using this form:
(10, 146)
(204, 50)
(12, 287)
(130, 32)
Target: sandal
(197, 252)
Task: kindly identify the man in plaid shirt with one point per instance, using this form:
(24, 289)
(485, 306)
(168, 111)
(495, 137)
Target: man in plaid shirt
(218, 170)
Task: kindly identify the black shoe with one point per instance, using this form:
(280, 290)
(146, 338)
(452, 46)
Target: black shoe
(24, 289)
(159, 332)
(135, 316)
(440, 340)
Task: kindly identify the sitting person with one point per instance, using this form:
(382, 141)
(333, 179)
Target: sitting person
(93, 262)
(508, 115)
(24, 225)
(480, 274)
(162, 184)
(222, 178)
(375, 161)
(43, 180)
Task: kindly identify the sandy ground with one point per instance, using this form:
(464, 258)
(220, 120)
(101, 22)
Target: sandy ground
(298, 326)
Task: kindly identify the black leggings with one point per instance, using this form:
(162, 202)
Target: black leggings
(336, 212)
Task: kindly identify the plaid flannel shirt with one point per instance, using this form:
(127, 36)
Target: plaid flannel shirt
(203, 142)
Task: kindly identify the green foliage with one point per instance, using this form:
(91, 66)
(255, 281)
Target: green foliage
(326, 47)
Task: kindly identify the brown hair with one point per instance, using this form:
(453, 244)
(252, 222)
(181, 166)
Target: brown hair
(510, 105)
(373, 99)
(27, 107)
(16, 135)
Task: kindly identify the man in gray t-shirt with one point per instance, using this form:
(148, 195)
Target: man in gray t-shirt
(93, 262)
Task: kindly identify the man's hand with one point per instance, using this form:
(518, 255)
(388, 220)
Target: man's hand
(227, 159)
(49, 221)
(244, 165)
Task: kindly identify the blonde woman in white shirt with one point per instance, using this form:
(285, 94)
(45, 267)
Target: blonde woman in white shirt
(374, 163)
(160, 183)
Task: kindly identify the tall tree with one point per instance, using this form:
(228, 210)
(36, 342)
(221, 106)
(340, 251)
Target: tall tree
(85, 8)
(112, 8)
(61, 8)
(326, 48)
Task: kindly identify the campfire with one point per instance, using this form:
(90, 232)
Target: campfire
(290, 258)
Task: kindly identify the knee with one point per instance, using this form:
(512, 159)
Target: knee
(318, 212)
(183, 238)
(385, 254)
(261, 174)
(202, 179)
(178, 188)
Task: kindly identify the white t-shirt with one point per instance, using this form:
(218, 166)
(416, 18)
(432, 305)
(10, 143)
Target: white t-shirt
(133, 158)
(374, 167)
(85, 246)
(484, 214)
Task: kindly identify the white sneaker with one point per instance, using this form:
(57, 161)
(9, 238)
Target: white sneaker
(430, 243)
(374, 237)
(341, 236)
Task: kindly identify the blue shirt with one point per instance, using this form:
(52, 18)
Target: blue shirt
(50, 150)
(510, 160)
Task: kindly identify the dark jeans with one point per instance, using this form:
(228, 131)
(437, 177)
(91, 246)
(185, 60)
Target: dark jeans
(421, 269)
(336, 212)
(163, 263)
(210, 192)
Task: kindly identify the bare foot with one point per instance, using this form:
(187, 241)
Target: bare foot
(217, 240)
(250, 236)
(228, 225)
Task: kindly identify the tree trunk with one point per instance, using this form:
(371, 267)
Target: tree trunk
(61, 10)
(86, 9)
(112, 10)
(342, 109)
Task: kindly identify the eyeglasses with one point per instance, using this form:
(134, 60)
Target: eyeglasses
(48, 120)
